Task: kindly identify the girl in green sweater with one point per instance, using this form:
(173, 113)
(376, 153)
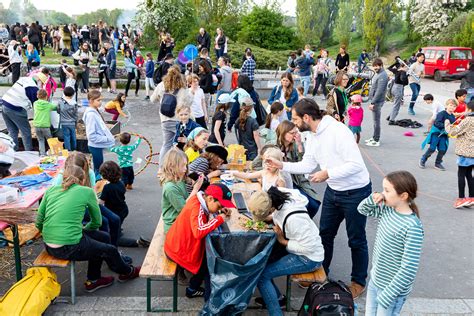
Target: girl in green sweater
(59, 220)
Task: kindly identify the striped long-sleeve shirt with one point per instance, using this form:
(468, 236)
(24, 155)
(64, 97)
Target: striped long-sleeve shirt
(397, 250)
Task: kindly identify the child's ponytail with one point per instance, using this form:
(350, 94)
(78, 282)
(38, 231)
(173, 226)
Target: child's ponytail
(274, 109)
(405, 182)
(244, 114)
(72, 175)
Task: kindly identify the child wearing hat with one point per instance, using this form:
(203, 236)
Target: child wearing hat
(185, 125)
(185, 243)
(218, 120)
(208, 163)
(197, 141)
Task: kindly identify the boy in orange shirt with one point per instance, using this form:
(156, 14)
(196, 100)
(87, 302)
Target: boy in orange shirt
(184, 243)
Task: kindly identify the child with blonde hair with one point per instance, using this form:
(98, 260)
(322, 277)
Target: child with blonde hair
(184, 126)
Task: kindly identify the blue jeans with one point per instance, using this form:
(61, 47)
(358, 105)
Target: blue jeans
(313, 204)
(69, 135)
(17, 121)
(306, 82)
(470, 95)
(415, 91)
(97, 159)
(373, 308)
(339, 206)
(110, 223)
(289, 264)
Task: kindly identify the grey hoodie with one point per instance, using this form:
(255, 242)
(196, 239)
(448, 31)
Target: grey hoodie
(67, 110)
(226, 82)
(98, 135)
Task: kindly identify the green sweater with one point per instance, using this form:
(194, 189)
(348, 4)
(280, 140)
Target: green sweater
(60, 214)
(41, 117)
(125, 153)
(174, 198)
(397, 250)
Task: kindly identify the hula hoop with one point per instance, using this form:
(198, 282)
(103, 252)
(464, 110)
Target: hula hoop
(148, 158)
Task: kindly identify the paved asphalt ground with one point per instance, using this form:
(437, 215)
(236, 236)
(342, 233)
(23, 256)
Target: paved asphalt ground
(445, 281)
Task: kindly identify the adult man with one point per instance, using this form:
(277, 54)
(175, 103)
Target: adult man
(248, 67)
(303, 64)
(361, 61)
(377, 99)
(94, 33)
(203, 39)
(16, 102)
(85, 33)
(332, 146)
(203, 55)
(14, 53)
(417, 70)
(291, 62)
(111, 59)
(163, 68)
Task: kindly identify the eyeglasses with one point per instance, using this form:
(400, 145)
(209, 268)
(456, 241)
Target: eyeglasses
(345, 79)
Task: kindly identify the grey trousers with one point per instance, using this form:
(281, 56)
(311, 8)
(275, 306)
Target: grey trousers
(376, 113)
(43, 134)
(17, 121)
(168, 129)
(397, 91)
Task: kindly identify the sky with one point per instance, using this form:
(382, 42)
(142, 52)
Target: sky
(71, 7)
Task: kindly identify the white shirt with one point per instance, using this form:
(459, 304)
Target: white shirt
(436, 107)
(333, 147)
(196, 107)
(416, 68)
(14, 55)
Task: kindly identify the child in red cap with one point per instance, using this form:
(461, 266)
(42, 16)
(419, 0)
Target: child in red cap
(184, 243)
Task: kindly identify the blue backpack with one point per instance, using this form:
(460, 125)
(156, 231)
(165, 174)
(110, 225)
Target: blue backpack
(168, 104)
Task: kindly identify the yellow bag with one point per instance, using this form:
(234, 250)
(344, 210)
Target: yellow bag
(31, 295)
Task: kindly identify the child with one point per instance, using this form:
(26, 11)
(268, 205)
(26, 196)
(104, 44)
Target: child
(113, 193)
(185, 125)
(98, 135)
(199, 108)
(7, 154)
(268, 175)
(436, 107)
(172, 178)
(49, 84)
(460, 95)
(139, 60)
(356, 115)
(71, 79)
(438, 138)
(398, 242)
(125, 157)
(185, 240)
(197, 141)
(247, 130)
(115, 106)
(62, 73)
(67, 109)
(218, 120)
(208, 163)
(268, 133)
(42, 119)
(149, 70)
(300, 91)
(465, 151)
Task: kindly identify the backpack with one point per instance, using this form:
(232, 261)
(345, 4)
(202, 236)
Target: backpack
(158, 74)
(168, 104)
(329, 298)
(65, 52)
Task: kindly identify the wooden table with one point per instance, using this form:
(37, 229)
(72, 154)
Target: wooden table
(246, 188)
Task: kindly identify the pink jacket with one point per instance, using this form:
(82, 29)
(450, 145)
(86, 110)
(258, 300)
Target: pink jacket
(356, 115)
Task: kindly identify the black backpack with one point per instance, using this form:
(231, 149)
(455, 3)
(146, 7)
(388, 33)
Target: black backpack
(168, 104)
(65, 52)
(329, 298)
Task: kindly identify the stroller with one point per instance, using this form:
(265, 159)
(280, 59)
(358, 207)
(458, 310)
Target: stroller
(359, 84)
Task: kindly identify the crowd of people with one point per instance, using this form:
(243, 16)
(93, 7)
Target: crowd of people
(285, 145)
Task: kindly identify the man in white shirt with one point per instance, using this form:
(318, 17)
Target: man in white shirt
(331, 146)
(416, 72)
(14, 53)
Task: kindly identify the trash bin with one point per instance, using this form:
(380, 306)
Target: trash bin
(235, 262)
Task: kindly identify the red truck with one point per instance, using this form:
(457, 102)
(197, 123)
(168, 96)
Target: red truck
(441, 61)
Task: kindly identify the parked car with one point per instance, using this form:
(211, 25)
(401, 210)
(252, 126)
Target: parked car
(441, 61)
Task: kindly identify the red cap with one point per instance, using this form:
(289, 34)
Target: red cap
(221, 193)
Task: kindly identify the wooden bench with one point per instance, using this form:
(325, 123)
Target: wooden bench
(157, 267)
(46, 260)
(318, 276)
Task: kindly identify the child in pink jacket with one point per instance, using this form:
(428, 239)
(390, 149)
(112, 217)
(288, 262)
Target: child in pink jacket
(356, 115)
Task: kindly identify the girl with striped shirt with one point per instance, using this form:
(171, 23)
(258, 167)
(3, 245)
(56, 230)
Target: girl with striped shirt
(398, 243)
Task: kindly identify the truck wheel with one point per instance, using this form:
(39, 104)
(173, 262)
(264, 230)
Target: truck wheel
(437, 76)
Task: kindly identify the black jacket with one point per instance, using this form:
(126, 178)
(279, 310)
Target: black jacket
(205, 82)
(204, 40)
(467, 78)
(401, 77)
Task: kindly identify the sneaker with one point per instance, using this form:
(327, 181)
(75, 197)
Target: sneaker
(127, 259)
(471, 202)
(260, 302)
(129, 187)
(388, 118)
(369, 140)
(373, 143)
(132, 275)
(462, 202)
(392, 123)
(440, 167)
(356, 289)
(92, 286)
(411, 111)
(142, 242)
(194, 293)
(147, 98)
(422, 163)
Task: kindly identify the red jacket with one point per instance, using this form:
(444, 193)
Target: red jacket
(184, 243)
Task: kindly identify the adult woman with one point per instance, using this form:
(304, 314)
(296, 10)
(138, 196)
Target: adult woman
(83, 56)
(337, 98)
(342, 59)
(66, 37)
(103, 67)
(166, 46)
(205, 82)
(174, 84)
(32, 56)
(289, 142)
(285, 93)
(34, 36)
(74, 39)
(220, 43)
(132, 72)
(322, 73)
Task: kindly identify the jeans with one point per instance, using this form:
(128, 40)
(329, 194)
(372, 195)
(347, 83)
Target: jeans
(373, 308)
(376, 113)
(397, 91)
(128, 175)
(415, 89)
(94, 251)
(43, 134)
(95, 45)
(69, 135)
(85, 79)
(202, 276)
(114, 112)
(18, 121)
(75, 44)
(116, 44)
(149, 84)
(130, 77)
(168, 129)
(306, 82)
(439, 143)
(313, 205)
(320, 80)
(470, 95)
(219, 52)
(289, 264)
(339, 206)
(111, 223)
(97, 159)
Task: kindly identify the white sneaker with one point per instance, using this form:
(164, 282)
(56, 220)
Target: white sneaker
(373, 143)
(369, 140)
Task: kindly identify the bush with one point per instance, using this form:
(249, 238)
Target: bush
(454, 28)
(466, 36)
(266, 59)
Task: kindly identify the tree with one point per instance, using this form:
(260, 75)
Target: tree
(376, 17)
(58, 18)
(342, 29)
(8, 16)
(263, 27)
(311, 18)
(161, 14)
(108, 16)
(466, 36)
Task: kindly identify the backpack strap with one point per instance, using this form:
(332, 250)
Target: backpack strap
(286, 217)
